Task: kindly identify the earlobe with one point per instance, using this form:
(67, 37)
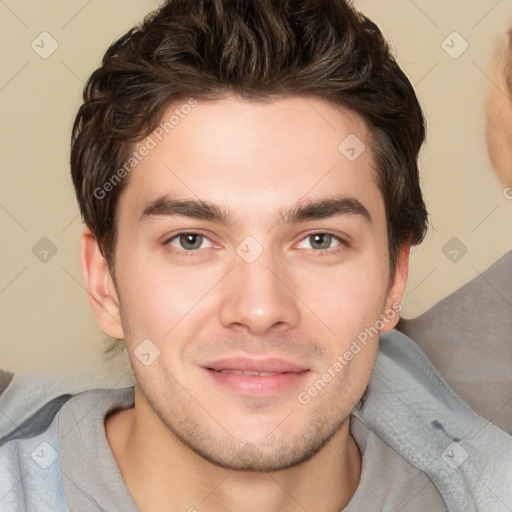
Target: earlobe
(397, 289)
(100, 286)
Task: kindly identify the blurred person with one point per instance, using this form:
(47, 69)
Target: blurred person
(499, 111)
(468, 334)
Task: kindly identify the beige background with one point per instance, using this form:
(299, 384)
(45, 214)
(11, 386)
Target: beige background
(46, 319)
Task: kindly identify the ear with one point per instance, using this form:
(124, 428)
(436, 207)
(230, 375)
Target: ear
(397, 288)
(100, 286)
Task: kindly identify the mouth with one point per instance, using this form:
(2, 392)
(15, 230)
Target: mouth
(240, 372)
(256, 377)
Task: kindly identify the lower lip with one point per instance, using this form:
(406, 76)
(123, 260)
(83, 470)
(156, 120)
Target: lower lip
(256, 385)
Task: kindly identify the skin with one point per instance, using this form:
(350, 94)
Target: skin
(188, 441)
(499, 114)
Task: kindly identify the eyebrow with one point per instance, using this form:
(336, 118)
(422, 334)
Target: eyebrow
(302, 211)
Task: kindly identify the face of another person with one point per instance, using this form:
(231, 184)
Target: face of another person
(278, 300)
(499, 113)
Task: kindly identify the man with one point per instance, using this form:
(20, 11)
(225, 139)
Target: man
(247, 173)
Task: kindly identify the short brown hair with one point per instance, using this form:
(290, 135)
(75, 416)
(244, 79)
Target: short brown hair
(261, 50)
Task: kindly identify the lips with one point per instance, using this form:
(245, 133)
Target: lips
(260, 378)
(249, 366)
(249, 374)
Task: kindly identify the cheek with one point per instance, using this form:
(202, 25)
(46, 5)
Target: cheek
(158, 299)
(348, 299)
(363, 279)
(152, 306)
(354, 313)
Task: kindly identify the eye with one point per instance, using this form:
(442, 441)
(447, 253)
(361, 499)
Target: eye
(188, 241)
(322, 243)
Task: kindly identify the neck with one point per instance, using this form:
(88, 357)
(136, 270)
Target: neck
(160, 471)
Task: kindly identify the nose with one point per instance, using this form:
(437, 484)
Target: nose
(259, 297)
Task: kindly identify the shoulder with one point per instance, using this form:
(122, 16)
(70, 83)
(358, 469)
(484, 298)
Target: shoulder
(414, 412)
(32, 451)
(30, 476)
(388, 481)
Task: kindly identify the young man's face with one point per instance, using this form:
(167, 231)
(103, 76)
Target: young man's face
(260, 294)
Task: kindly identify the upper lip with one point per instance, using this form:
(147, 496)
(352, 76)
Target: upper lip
(245, 364)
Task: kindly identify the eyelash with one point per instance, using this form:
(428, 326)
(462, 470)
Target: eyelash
(318, 253)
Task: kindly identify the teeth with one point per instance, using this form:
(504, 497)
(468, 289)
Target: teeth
(238, 372)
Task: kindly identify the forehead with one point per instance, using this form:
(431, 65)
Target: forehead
(255, 155)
